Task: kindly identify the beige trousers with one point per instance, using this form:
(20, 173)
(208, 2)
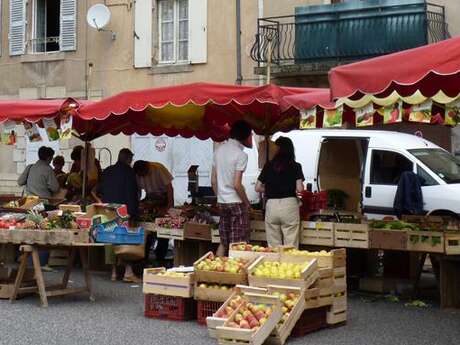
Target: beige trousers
(282, 222)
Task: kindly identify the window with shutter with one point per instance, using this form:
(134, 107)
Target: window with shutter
(17, 34)
(68, 25)
(198, 43)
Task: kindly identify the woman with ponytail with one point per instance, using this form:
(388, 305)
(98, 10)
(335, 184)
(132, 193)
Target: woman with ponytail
(281, 180)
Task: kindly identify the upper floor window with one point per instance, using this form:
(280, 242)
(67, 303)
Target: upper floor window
(46, 26)
(173, 30)
(53, 26)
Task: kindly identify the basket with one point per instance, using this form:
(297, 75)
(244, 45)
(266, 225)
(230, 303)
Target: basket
(169, 307)
(205, 309)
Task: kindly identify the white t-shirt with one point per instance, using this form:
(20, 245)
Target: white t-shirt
(228, 158)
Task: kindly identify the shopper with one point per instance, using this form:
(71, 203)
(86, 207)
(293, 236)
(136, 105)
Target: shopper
(118, 185)
(39, 178)
(281, 179)
(58, 164)
(229, 164)
(156, 181)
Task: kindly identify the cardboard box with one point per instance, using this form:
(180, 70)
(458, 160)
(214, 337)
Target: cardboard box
(388, 239)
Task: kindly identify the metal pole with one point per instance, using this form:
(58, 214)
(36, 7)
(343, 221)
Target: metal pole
(239, 74)
(85, 171)
(269, 60)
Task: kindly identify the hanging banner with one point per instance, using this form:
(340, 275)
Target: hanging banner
(365, 116)
(32, 132)
(421, 112)
(452, 113)
(9, 133)
(66, 126)
(51, 129)
(308, 118)
(393, 113)
(333, 117)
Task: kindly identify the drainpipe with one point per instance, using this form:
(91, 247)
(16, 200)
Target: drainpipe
(239, 75)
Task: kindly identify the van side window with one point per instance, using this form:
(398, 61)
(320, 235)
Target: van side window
(387, 166)
(427, 180)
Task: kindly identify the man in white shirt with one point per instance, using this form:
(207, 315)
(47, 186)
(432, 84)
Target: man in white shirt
(229, 164)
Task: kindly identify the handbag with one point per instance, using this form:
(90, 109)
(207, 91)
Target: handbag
(130, 252)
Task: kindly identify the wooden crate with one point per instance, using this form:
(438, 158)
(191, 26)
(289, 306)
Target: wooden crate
(452, 243)
(196, 231)
(58, 257)
(351, 235)
(211, 294)
(340, 276)
(312, 298)
(308, 275)
(6, 290)
(339, 304)
(332, 259)
(177, 234)
(164, 285)
(236, 336)
(388, 239)
(258, 231)
(425, 241)
(251, 255)
(317, 233)
(213, 321)
(220, 277)
(283, 330)
(334, 318)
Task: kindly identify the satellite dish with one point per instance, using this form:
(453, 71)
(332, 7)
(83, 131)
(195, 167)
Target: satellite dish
(98, 16)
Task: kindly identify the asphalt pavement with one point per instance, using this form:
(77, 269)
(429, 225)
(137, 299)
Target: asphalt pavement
(116, 318)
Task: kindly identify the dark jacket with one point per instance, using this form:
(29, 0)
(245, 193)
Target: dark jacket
(118, 185)
(408, 198)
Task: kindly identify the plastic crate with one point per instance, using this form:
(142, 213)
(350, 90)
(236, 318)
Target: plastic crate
(119, 234)
(205, 309)
(169, 307)
(311, 320)
(312, 202)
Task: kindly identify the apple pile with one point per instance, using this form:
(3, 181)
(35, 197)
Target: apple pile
(279, 270)
(171, 222)
(232, 305)
(253, 248)
(289, 300)
(172, 274)
(307, 253)
(221, 264)
(251, 316)
(215, 286)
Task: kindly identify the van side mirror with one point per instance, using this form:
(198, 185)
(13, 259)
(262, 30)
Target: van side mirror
(309, 187)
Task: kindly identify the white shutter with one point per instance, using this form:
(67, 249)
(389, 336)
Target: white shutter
(143, 33)
(17, 35)
(198, 38)
(68, 29)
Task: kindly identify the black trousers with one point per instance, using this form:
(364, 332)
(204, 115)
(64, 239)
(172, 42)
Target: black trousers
(162, 246)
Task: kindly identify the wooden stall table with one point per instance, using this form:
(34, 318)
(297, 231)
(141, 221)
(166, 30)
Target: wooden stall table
(31, 250)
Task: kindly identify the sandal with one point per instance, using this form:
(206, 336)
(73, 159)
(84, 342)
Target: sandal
(132, 279)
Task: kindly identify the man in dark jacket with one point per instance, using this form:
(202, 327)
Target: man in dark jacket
(118, 185)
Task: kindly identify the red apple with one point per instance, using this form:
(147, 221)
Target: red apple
(244, 324)
(253, 323)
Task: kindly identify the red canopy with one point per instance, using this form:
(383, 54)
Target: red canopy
(203, 110)
(321, 97)
(429, 68)
(35, 110)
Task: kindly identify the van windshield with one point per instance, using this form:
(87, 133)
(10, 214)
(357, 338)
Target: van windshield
(442, 163)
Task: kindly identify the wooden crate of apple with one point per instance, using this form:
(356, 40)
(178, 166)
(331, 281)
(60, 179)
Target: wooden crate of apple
(158, 281)
(252, 322)
(293, 305)
(229, 306)
(332, 259)
(264, 272)
(170, 227)
(222, 270)
(212, 292)
(252, 252)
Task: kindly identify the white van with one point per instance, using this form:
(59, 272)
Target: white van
(366, 165)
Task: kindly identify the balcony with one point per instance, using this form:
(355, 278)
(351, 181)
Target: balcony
(317, 38)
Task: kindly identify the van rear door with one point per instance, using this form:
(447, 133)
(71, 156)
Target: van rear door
(383, 169)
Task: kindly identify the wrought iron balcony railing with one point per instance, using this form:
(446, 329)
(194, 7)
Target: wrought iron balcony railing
(347, 35)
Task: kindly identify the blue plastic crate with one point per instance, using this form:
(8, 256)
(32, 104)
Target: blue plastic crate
(119, 235)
